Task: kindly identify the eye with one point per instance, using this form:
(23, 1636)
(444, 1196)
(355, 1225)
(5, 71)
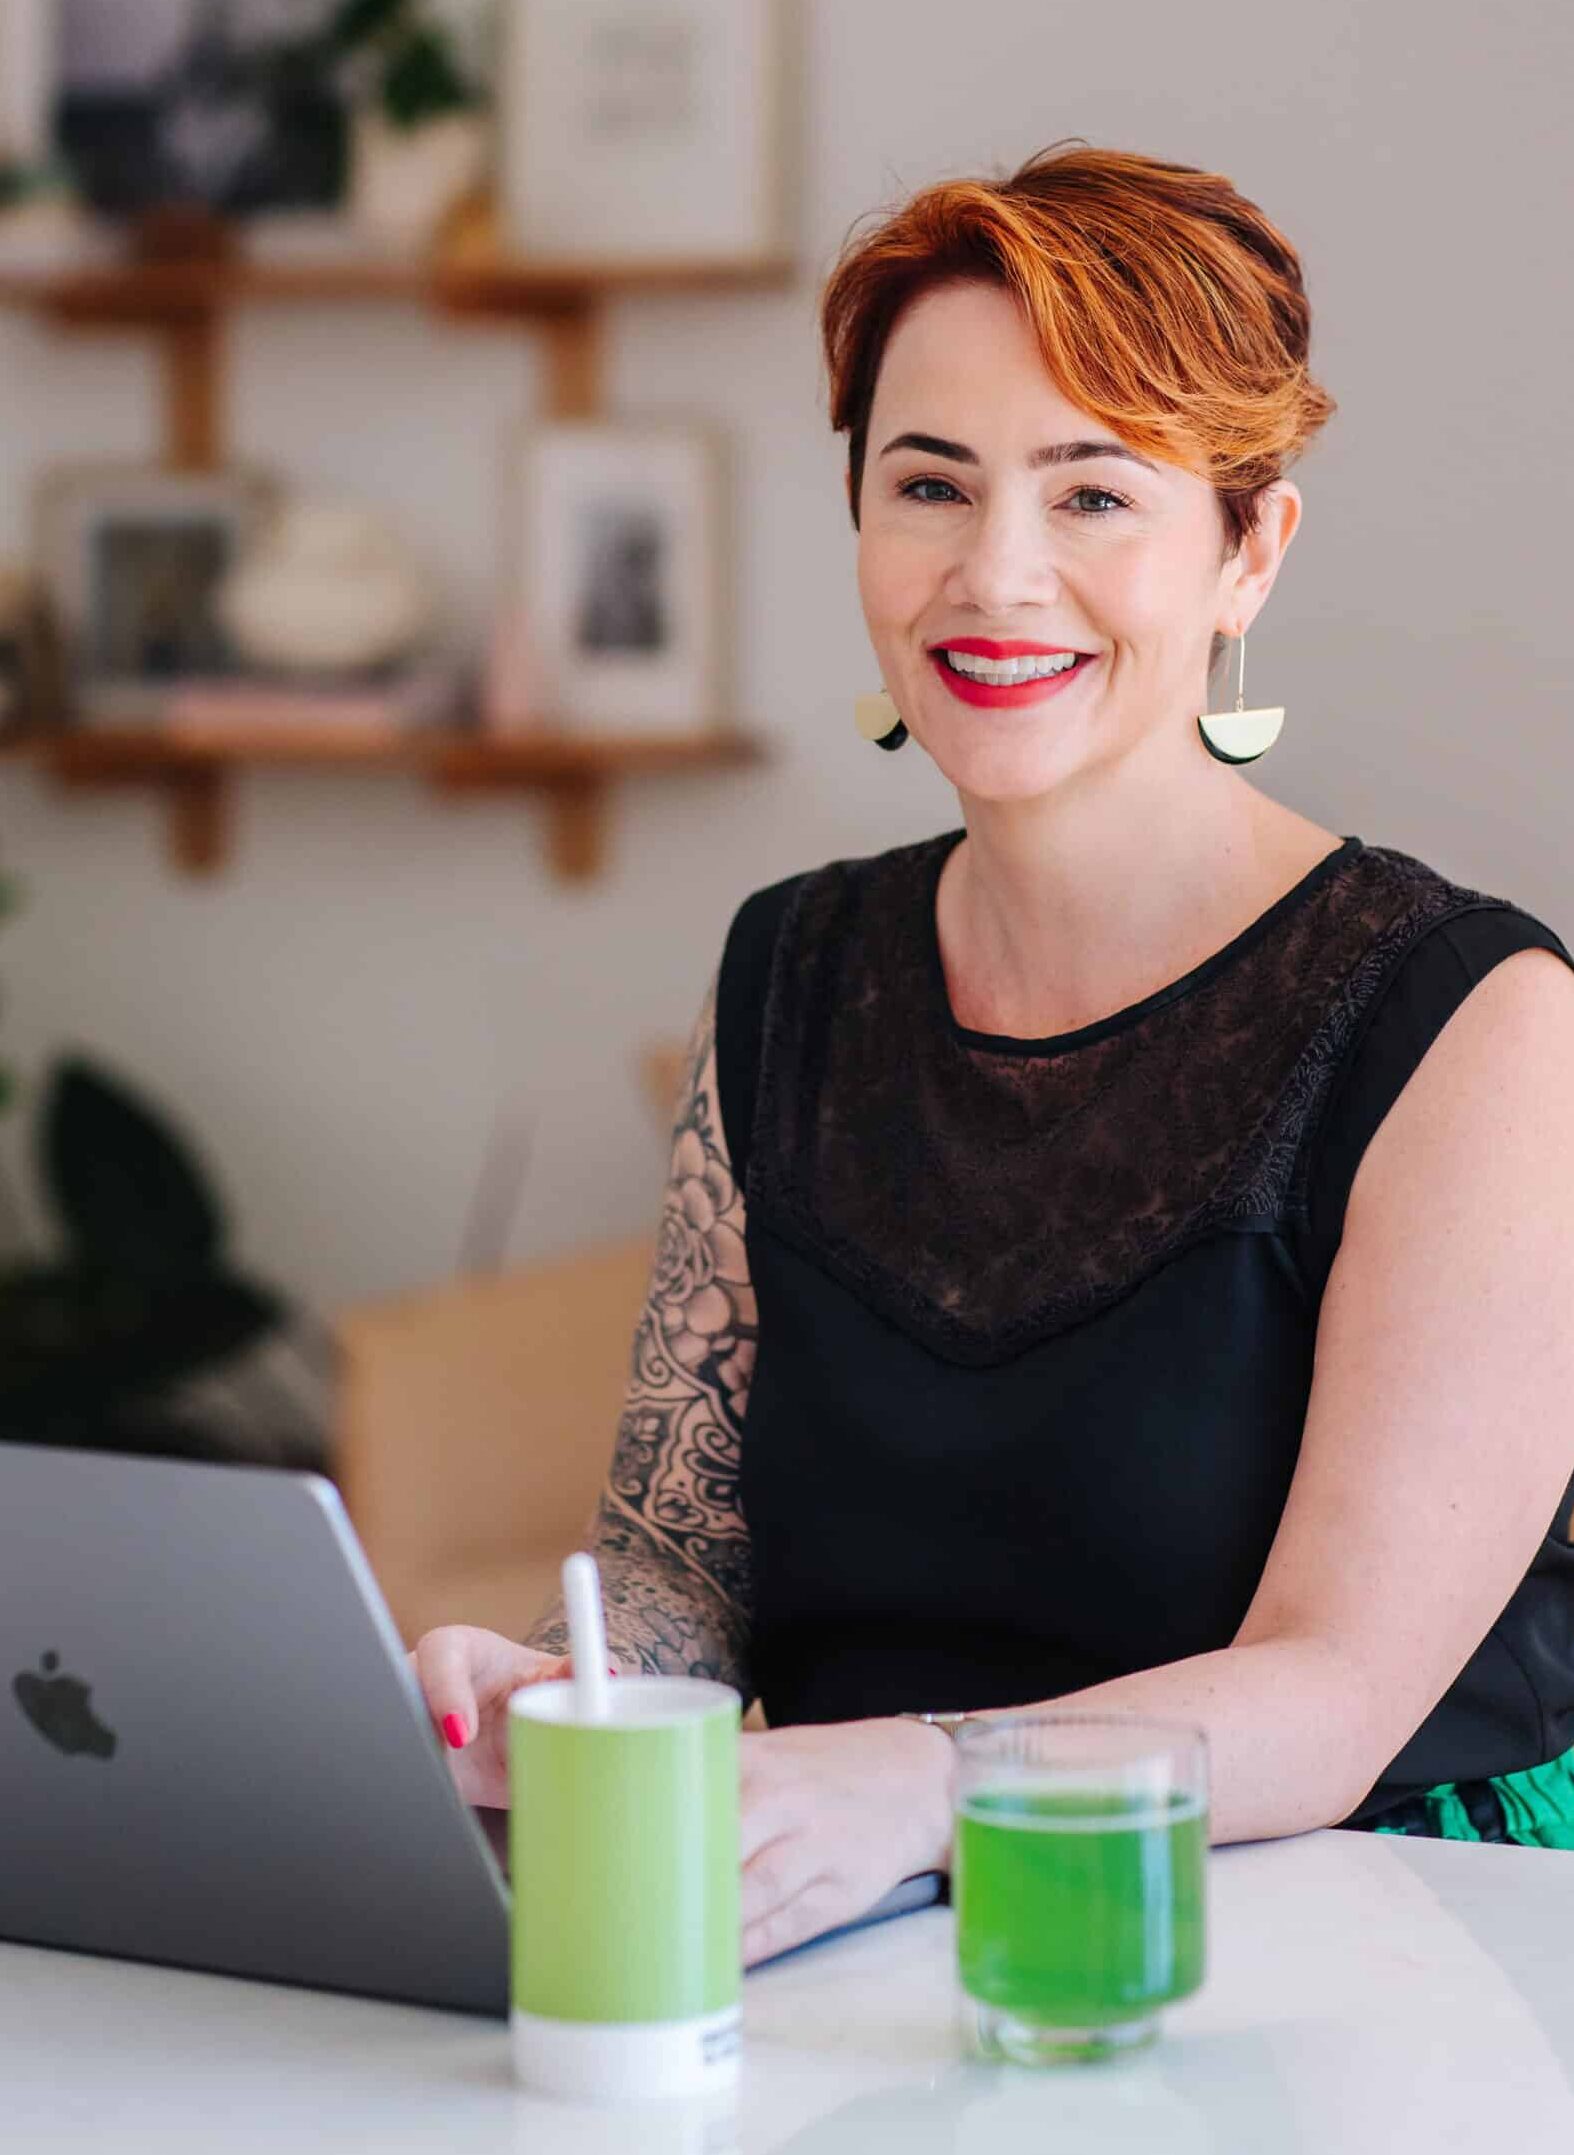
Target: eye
(1104, 494)
(907, 490)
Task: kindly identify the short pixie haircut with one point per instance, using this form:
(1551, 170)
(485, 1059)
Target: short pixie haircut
(1165, 305)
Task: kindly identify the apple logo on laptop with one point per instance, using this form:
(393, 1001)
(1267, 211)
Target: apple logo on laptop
(58, 1708)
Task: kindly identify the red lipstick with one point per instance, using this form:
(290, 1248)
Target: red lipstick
(988, 647)
(997, 696)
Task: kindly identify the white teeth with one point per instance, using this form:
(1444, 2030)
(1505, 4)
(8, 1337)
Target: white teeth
(1002, 672)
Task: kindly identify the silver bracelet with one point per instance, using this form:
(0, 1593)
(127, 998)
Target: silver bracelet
(949, 1722)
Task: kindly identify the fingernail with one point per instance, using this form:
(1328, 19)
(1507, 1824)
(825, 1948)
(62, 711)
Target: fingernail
(454, 1730)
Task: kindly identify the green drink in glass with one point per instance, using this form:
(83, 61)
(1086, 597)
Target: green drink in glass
(1079, 1875)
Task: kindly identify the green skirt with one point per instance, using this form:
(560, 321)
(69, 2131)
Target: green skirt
(1534, 1807)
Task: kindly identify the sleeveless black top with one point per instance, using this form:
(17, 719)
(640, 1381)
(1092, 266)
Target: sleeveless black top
(1037, 1317)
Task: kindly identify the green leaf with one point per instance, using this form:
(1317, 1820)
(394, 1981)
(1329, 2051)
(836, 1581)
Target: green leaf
(421, 81)
(357, 21)
(132, 1200)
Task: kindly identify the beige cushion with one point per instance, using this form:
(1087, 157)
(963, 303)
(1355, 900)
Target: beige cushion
(475, 1427)
(504, 1594)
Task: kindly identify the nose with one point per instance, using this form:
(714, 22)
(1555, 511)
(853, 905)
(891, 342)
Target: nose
(1005, 557)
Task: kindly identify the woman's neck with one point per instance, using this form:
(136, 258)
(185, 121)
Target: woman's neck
(1057, 912)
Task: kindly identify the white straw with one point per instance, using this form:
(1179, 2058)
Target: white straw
(587, 1636)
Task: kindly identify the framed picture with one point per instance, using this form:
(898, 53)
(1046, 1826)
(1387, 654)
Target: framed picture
(27, 56)
(29, 674)
(216, 102)
(615, 566)
(635, 133)
(131, 556)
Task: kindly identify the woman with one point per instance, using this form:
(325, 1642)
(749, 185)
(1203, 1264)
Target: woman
(1152, 1291)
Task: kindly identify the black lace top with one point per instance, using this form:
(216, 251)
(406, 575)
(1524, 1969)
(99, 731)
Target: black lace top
(1037, 1317)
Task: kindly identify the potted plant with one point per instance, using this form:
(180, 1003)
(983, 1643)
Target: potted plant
(137, 1330)
(419, 131)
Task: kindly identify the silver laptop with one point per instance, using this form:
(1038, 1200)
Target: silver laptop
(213, 1751)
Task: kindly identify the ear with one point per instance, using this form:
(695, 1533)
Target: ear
(1249, 575)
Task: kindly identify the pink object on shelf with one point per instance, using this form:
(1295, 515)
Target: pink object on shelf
(506, 690)
(215, 712)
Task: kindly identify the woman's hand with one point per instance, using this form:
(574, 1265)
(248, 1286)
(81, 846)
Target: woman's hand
(468, 1676)
(833, 1817)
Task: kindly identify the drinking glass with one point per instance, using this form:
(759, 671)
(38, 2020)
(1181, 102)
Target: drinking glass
(1078, 1873)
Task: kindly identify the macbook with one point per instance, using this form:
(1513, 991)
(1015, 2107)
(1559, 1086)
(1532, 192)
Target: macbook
(213, 1751)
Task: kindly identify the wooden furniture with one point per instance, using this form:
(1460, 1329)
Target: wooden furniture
(186, 305)
(475, 1425)
(571, 774)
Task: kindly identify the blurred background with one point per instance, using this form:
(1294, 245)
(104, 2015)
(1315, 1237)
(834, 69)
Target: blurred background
(428, 606)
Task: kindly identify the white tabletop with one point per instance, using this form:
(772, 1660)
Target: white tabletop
(1367, 1995)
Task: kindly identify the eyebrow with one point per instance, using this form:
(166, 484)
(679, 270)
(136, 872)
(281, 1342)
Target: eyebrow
(1060, 452)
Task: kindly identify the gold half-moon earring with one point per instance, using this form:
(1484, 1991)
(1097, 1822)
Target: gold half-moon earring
(878, 720)
(1240, 736)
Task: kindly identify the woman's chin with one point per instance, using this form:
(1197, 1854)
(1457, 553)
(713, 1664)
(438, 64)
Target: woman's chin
(1002, 769)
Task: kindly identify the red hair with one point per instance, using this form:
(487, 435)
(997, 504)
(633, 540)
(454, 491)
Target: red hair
(1165, 304)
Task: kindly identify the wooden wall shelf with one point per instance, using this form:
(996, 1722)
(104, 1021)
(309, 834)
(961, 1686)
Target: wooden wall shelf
(184, 302)
(573, 774)
(151, 295)
(147, 295)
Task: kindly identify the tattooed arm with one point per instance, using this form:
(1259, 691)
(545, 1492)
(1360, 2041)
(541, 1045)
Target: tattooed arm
(668, 1535)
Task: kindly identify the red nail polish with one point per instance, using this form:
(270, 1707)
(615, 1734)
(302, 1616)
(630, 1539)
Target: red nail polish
(454, 1730)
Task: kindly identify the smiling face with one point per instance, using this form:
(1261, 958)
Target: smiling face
(970, 537)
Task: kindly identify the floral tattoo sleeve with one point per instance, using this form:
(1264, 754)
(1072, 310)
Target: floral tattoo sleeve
(669, 1534)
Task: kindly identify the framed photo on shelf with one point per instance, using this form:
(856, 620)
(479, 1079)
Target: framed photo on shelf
(27, 41)
(638, 134)
(131, 557)
(29, 675)
(614, 562)
(217, 102)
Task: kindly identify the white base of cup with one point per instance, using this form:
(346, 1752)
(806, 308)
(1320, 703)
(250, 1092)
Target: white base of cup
(594, 2061)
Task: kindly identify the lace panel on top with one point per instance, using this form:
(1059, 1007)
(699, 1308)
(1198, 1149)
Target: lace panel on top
(984, 1195)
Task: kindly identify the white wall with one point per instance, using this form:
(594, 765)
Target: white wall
(339, 1016)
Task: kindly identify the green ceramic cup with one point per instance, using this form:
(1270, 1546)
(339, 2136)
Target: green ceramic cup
(624, 1860)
